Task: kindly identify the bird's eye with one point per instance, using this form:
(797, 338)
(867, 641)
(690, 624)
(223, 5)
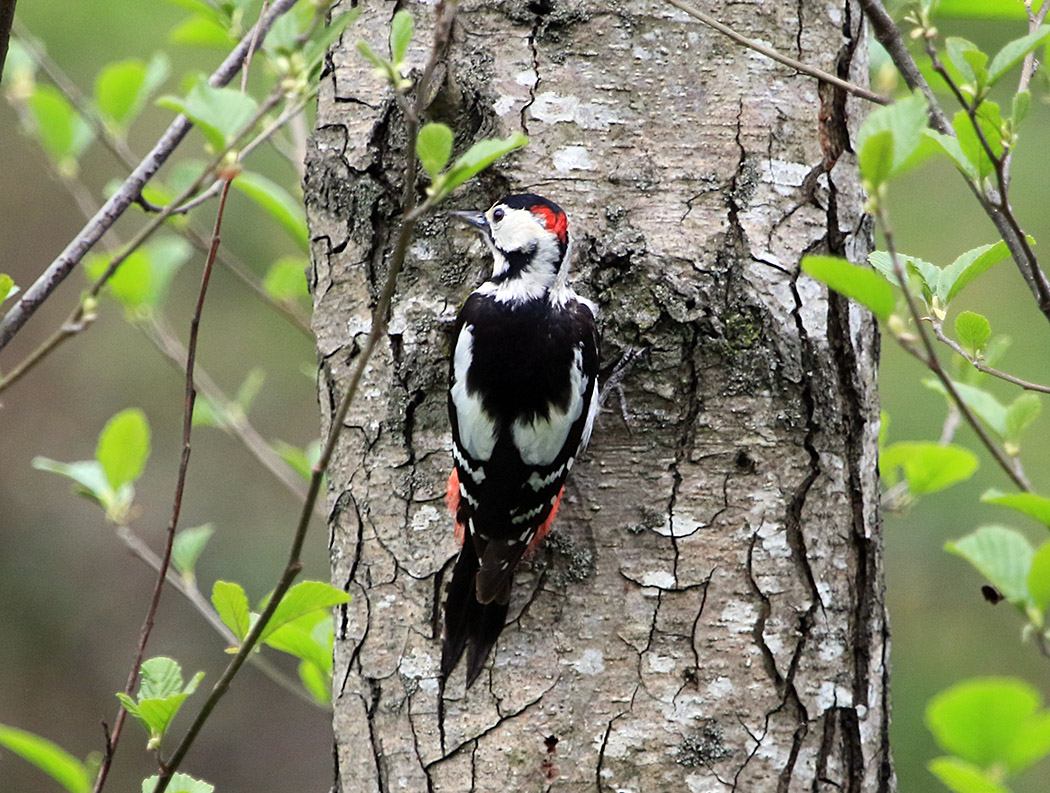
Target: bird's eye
(497, 216)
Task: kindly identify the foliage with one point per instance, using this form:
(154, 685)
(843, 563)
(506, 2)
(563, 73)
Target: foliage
(233, 122)
(991, 728)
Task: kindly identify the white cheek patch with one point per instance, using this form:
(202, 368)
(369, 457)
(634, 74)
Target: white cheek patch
(477, 430)
(541, 440)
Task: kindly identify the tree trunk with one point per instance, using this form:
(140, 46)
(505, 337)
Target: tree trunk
(708, 613)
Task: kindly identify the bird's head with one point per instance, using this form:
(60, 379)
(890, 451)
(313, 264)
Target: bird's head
(529, 239)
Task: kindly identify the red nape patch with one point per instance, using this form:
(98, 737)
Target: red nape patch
(555, 222)
(545, 528)
(452, 501)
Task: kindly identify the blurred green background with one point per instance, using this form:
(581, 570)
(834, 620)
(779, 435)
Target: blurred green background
(72, 598)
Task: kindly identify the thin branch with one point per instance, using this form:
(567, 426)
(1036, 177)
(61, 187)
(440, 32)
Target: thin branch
(934, 364)
(7, 16)
(235, 420)
(981, 366)
(769, 52)
(888, 35)
(380, 321)
(176, 508)
(189, 590)
(56, 272)
(1009, 229)
(80, 194)
(116, 146)
(87, 304)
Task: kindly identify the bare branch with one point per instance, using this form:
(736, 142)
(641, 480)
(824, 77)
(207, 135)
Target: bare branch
(57, 271)
(176, 508)
(769, 52)
(889, 36)
(981, 366)
(929, 358)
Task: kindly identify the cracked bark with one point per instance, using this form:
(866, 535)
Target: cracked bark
(708, 613)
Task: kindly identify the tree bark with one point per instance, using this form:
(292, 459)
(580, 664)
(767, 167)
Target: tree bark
(708, 613)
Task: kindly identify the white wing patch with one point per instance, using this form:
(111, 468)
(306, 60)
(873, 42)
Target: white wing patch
(541, 440)
(477, 430)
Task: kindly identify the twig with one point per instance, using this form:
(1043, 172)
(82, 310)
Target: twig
(251, 49)
(168, 344)
(933, 363)
(56, 272)
(888, 35)
(7, 16)
(769, 52)
(117, 147)
(1023, 255)
(190, 591)
(981, 366)
(380, 321)
(176, 508)
(143, 234)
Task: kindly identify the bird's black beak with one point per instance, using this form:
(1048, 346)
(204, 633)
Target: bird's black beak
(475, 219)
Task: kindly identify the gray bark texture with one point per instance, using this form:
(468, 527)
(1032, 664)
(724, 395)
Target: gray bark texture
(708, 613)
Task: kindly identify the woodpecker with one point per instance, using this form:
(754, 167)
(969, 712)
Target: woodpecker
(522, 397)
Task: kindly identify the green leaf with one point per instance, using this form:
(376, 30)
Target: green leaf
(50, 758)
(905, 121)
(1020, 415)
(249, 389)
(277, 203)
(985, 9)
(88, 474)
(949, 144)
(141, 282)
(301, 460)
(1014, 51)
(220, 113)
(876, 158)
(180, 783)
(1030, 504)
(286, 279)
(63, 133)
(987, 408)
(1019, 107)
(991, 721)
(187, 548)
(304, 597)
(124, 446)
(202, 31)
(474, 160)
(964, 56)
(232, 605)
(7, 287)
(967, 267)
(160, 696)
(434, 147)
(316, 682)
(856, 283)
(298, 638)
(1039, 578)
(400, 35)
(161, 677)
(364, 48)
(963, 777)
(991, 125)
(927, 467)
(973, 331)
(121, 88)
(1001, 555)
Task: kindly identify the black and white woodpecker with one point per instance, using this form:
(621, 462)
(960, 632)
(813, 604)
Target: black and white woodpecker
(522, 398)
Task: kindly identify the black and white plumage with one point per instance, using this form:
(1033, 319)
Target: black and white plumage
(523, 394)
